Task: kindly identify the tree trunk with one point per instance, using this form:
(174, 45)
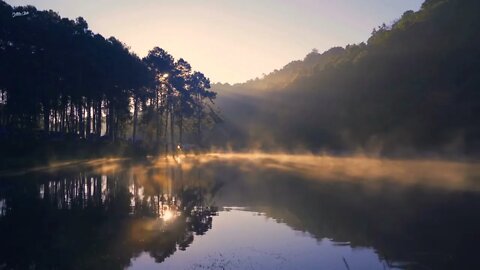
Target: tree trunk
(81, 127)
(180, 130)
(107, 118)
(165, 133)
(94, 118)
(72, 119)
(99, 119)
(46, 118)
(89, 117)
(135, 117)
(157, 117)
(172, 138)
(63, 116)
(55, 119)
(110, 121)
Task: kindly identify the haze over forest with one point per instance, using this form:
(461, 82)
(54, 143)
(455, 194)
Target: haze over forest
(411, 88)
(360, 155)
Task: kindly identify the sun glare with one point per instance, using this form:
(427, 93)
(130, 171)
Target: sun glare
(168, 215)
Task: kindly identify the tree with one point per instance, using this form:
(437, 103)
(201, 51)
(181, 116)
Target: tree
(59, 76)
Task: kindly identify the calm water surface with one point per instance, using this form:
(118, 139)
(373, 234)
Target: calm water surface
(242, 211)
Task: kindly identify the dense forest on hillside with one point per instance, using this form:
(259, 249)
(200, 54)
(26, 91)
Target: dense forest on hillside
(62, 82)
(412, 87)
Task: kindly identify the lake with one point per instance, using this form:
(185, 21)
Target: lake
(242, 211)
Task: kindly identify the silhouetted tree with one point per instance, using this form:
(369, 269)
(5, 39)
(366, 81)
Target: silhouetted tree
(59, 76)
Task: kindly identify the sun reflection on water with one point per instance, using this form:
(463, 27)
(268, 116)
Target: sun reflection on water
(170, 201)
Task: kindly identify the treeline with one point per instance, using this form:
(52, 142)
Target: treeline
(279, 79)
(412, 87)
(60, 79)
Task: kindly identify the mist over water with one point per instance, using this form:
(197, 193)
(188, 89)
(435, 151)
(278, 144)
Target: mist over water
(361, 157)
(242, 211)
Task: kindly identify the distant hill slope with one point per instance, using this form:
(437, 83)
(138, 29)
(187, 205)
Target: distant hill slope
(282, 78)
(240, 103)
(413, 87)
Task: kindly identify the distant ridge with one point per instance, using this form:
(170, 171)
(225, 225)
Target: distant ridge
(279, 79)
(413, 87)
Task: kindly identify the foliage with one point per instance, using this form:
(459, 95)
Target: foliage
(412, 86)
(60, 78)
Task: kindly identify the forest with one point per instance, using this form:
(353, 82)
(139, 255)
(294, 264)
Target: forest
(61, 82)
(363, 156)
(412, 88)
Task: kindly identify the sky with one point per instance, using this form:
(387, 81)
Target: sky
(232, 41)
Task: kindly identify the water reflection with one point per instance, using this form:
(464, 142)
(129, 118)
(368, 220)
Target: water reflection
(2, 207)
(112, 214)
(72, 219)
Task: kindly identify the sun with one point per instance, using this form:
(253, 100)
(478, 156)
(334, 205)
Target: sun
(168, 215)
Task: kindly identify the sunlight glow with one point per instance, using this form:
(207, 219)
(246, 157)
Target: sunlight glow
(443, 174)
(234, 34)
(168, 215)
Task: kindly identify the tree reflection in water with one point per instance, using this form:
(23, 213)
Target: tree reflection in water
(100, 214)
(89, 220)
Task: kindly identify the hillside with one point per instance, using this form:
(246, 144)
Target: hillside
(279, 79)
(412, 87)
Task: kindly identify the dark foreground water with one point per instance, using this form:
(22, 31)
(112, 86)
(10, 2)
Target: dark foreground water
(242, 211)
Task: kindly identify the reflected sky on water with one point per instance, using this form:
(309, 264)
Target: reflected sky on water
(250, 240)
(241, 211)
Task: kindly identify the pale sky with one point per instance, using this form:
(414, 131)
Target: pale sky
(232, 41)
